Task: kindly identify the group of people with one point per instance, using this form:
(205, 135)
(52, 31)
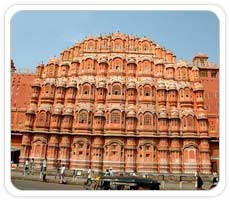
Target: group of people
(109, 172)
(29, 169)
(200, 182)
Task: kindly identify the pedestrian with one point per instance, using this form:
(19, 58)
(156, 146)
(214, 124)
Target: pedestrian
(26, 167)
(44, 175)
(199, 182)
(215, 179)
(58, 168)
(110, 171)
(107, 172)
(41, 170)
(62, 175)
(89, 177)
(44, 164)
(32, 166)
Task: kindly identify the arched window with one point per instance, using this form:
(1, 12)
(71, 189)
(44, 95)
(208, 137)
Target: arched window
(187, 92)
(147, 91)
(116, 90)
(115, 117)
(184, 73)
(190, 121)
(148, 120)
(86, 90)
(47, 89)
(42, 118)
(90, 45)
(83, 117)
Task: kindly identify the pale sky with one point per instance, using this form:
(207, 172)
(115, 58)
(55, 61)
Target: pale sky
(37, 36)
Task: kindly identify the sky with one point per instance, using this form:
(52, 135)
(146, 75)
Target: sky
(37, 36)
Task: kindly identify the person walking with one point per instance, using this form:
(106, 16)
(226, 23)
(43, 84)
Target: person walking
(199, 182)
(44, 164)
(44, 175)
(107, 172)
(26, 167)
(58, 168)
(62, 175)
(89, 177)
(41, 170)
(32, 166)
(111, 171)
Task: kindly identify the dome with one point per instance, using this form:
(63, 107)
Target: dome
(58, 109)
(201, 55)
(68, 110)
(202, 114)
(72, 83)
(169, 66)
(174, 113)
(182, 63)
(101, 84)
(99, 113)
(198, 87)
(75, 60)
(54, 61)
(131, 60)
(195, 68)
(31, 109)
(103, 59)
(61, 82)
(161, 84)
(37, 83)
(131, 85)
(172, 86)
(160, 61)
(162, 113)
(131, 113)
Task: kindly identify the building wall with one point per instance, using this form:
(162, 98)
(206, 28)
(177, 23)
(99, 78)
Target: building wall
(21, 88)
(118, 101)
(209, 77)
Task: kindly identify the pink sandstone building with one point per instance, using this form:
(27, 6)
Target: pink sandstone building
(119, 101)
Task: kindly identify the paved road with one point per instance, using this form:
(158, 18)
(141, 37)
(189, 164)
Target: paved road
(35, 185)
(38, 185)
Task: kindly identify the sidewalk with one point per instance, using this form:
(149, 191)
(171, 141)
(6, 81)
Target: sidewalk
(167, 184)
(50, 176)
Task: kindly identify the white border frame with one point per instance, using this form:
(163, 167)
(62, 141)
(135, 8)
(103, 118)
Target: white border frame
(212, 8)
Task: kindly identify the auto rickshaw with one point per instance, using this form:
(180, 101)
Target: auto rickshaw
(125, 183)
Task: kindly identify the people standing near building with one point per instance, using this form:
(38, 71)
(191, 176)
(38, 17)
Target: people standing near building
(215, 180)
(89, 176)
(44, 175)
(110, 171)
(62, 174)
(26, 167)
(199, 182)
(32, 166)
(107, 172)
(41, 170)
(44, 164)
(58, 168)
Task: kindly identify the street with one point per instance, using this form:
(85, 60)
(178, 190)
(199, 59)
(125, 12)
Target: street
(36, 185)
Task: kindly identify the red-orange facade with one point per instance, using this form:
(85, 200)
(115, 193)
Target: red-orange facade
(123, 102)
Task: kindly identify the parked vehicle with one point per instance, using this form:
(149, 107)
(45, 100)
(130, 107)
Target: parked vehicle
(125, 183)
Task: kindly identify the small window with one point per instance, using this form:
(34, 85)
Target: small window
(213, 74)
(203, 73)
(115, 118)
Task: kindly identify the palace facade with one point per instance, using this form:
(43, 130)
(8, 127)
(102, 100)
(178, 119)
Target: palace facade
(123, 102)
